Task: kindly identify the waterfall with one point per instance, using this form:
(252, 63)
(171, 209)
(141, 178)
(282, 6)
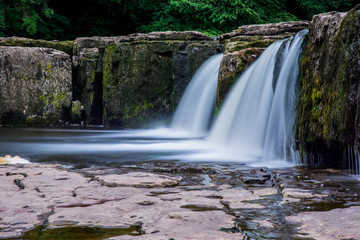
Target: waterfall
(256, 119)
(196, 108)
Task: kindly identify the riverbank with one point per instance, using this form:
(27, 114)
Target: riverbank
(176, 200)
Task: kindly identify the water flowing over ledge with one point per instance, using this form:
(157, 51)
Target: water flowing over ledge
(254, 126)
(197, 105)
(256, 120)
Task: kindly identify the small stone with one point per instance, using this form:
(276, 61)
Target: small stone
(146, 203)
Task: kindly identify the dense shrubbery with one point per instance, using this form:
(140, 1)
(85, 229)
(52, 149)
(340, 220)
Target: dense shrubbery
(54, 19)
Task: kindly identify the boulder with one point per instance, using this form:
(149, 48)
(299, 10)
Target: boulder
(327, 118)
(35, 86)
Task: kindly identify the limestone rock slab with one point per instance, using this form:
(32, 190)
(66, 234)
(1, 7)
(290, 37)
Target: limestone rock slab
(138, 179)
(330, 225)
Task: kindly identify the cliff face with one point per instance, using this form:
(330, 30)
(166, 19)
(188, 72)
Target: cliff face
(327, 119)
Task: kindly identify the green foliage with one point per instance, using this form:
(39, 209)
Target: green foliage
(305, 9)
(209, 16)
(219, 16)
(22, 17)
(54, 19)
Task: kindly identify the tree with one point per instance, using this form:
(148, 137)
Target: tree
(216, 16)
(54, 19)
(22, 17)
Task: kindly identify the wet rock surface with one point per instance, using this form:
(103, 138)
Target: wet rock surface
(327, 115)
(174, 200)
(231, 66)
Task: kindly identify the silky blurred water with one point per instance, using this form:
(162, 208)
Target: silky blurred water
(254, 127)
(85, 147)
(101, 147)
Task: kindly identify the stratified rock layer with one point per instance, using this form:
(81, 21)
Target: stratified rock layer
(323, 225)
(35, 86)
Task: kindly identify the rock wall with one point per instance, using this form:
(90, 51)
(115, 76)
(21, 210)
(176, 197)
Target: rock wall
(131, 81)
(35, 86)
(87, 78)
(327, 118)
(145, 80)
(126, 81)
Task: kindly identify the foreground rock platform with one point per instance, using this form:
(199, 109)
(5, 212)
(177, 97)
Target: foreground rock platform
(173, 200)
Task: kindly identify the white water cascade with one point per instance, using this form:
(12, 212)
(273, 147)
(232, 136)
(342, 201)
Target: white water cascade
(256, 120)
(197, 105)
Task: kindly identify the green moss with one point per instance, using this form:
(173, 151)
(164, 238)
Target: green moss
(144, 80)
(138, 112)
(57, 99)
(65, 46)
(36, 120)
(107, 75)
(48, 72)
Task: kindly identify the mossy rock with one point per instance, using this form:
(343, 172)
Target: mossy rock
(328, 106)
(87, 79)
(231, 67)
(35, 86)
(143, 80)
(233, 46)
